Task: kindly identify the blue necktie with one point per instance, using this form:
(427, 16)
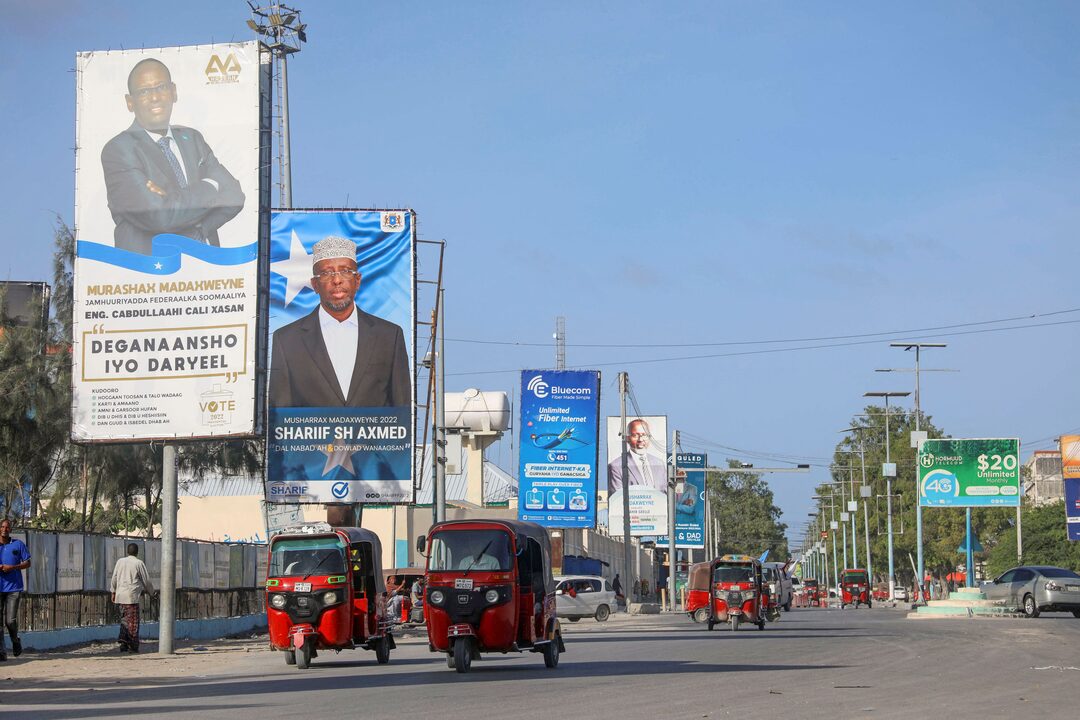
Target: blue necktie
(178, 171)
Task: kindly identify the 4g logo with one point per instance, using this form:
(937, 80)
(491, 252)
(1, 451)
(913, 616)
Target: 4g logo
(220, 71)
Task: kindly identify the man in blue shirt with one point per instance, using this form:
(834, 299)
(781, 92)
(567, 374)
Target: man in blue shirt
(14, 558)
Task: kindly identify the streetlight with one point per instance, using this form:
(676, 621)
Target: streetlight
(916, 438)
(889, 471)
(864, 492)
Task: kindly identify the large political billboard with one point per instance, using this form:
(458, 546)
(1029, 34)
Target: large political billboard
(646, 468)
(1070, 474)
(689, 503)
(971, 472)
(558, 440)
(340, 396)
(168, 192)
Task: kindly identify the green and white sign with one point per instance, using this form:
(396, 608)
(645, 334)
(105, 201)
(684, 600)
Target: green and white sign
(982, 472)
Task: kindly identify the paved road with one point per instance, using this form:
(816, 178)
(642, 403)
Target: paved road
(813, 663)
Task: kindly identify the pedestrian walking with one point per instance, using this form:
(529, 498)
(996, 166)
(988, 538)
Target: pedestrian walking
(14, 558)
(129, 581)
(616, 585)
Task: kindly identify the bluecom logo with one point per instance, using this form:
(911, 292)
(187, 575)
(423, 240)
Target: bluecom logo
(538, 387)
(339, 489)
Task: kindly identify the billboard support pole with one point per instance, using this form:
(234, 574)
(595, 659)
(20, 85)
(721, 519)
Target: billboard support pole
(440, 419)
(672, 552)
(167, 608)
(1019, 538)
(631, 580)
(969, 566)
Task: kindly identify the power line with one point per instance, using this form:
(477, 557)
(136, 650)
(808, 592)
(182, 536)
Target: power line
(770, 351)
(728, 343)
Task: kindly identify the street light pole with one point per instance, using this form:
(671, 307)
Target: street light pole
(889, 472)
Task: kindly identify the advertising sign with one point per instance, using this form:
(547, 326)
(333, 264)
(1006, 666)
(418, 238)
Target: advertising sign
(341, 376)
(1070, 474)
(647, 474)
(690, 503)
(980, 472)
(167, 227)
(558, 434)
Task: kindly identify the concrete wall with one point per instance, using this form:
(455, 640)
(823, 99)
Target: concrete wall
(208, 629)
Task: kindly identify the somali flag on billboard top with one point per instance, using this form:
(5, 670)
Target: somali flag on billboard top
(560, 412)
(340, 393)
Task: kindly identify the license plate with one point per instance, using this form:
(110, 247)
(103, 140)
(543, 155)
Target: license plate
(1073, 588)
(302, 587)
(463, 584)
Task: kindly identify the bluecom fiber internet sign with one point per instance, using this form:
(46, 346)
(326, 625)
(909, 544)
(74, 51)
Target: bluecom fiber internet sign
(560, 412)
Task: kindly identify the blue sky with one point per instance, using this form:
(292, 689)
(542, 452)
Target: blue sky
(663, 174)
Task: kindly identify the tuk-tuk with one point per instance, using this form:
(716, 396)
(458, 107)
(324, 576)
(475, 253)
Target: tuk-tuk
(739, 592)
(697, 592)
(489, 589)
(325, 591)
(854, 588)
(813, 592)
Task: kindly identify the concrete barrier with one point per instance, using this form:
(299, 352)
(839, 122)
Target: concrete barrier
(207, 629)
(644, 609)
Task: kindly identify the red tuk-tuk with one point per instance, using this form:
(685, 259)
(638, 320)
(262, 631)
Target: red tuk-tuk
(697, 592)
(813, 592)
(854, 588)
(324, 591)
(739, 592)
(489, 589)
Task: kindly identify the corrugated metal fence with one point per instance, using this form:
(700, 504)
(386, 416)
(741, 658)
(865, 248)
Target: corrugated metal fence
(67, 584)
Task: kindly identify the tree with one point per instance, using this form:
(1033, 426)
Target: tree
(749, 519)
(1046, 541)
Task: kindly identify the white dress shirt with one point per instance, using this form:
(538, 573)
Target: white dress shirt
(340, 339)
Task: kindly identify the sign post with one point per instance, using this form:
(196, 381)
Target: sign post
(1070, 474)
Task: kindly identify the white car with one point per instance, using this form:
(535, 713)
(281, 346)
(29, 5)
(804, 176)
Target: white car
(578, 596)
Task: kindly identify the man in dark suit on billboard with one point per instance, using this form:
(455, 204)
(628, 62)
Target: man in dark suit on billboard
(339, 355)
(643, 467)
(163, 178)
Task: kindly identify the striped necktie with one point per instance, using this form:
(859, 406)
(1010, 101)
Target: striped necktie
(178, 171)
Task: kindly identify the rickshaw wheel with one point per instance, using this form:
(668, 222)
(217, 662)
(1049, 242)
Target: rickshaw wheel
(450, 660)
(868, 605)
(382, 650)
(711, 623)
(734, 623)
(551, 653)
(701, 615)
(462, 655)
(290, 657)
(761, 625)
(303, 658)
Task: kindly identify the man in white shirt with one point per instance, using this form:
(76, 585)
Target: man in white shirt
(129, 581)
(339, 355)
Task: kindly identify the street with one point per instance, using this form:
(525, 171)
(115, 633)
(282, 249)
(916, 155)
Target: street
(813, 663)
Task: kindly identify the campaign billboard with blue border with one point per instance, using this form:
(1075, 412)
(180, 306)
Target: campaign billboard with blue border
(340, 397)
(1070, 473)
(560, 413)
(690, 503)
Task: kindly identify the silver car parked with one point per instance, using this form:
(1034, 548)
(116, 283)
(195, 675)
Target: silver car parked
(578, 596)
(1036, 589)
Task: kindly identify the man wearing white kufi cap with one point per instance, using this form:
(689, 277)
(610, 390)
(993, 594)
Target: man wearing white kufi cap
(338, 355)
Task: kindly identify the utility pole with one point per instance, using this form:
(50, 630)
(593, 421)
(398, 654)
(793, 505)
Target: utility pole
(439, 437)
(169, 505)
(889, 471)
(560, 343)
(279, 27)
(918, 347)
(673, 479)
(630, 580)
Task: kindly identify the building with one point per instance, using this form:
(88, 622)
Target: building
(1043, 484)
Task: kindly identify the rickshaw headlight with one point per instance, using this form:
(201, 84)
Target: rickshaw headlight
(330, 598)
(437, 597)
(278, 601)
(491, 596)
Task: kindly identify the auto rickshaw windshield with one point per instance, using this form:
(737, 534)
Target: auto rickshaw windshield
(303, 556)
(733, 573)
(470, 550)
(854, 577)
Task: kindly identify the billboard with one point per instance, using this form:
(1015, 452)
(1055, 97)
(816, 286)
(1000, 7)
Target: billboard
(690, 503)
(167, 198)
(1070, 475)
(646, 461)
(340, 399)
(559, 447)
(977, 472)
